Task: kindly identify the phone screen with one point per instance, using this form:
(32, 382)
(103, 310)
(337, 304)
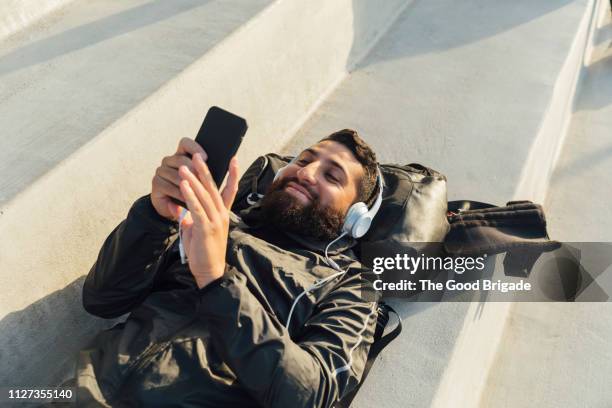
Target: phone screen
(220, 136)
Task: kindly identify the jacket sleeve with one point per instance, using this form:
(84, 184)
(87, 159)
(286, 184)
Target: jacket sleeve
(324, 361)
(124, 272)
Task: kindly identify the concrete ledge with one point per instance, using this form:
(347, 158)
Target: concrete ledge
(57, 223)
(546, 148)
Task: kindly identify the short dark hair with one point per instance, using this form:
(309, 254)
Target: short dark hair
(366, 187)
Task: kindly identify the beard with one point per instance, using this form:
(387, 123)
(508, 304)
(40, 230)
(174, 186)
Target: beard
(287, 213)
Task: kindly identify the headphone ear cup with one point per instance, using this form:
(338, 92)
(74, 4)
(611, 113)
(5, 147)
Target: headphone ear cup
(362, 226)
(355, 220)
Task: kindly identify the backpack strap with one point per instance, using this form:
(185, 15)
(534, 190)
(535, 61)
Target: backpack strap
(381, 341)
(466, 205)
(253, 197)
(256, 179)
(518, 229)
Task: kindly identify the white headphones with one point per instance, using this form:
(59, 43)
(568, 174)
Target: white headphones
(359, 217)
(356, 224)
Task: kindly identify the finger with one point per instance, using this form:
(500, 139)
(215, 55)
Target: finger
(191, 147)
(231, 187)
(167, 188)
(202, 195)
(193, 204)
(207, 181)
(175, 210)
(169, 174)
(175, 161)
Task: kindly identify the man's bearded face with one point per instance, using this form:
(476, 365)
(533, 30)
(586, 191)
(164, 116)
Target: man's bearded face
(286, 212)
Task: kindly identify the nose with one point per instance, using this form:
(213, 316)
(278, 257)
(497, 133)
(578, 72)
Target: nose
(307, 173)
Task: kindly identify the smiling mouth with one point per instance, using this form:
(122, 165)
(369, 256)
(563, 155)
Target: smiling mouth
(297, 189)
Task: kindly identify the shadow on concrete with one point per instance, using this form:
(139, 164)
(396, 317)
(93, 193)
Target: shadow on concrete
(604, 33)
(440, 25)
(95, 32)
(596, 87)
(47, 334)
(596, 92)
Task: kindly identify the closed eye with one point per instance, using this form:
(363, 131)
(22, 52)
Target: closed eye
(332, 178)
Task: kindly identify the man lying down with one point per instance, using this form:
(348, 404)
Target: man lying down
(257, 316)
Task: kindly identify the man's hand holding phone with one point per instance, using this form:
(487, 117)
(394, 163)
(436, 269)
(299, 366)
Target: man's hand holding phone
(190, 178)
(165, 183)
(205, 228)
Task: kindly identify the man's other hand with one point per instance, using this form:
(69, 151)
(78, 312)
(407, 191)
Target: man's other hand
(206, 226)
(165, 183)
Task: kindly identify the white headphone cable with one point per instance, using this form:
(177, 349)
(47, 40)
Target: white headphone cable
(321, 282)
(330, 261)
(180, 235)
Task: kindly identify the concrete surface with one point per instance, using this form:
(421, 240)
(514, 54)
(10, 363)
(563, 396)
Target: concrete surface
(103, 59)
(464, 88)
(478, 345)
(91, 65)
(544, 151)
(559, 354)
(91, 103)
(16, 15)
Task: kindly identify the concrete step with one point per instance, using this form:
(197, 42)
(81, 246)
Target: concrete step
(559, 354)
(66, 81)
(480, 90)
(93, 97)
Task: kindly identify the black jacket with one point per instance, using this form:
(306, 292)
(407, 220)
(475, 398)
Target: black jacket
(224, 345)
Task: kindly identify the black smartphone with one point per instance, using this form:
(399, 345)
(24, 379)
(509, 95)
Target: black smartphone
(220, 135)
